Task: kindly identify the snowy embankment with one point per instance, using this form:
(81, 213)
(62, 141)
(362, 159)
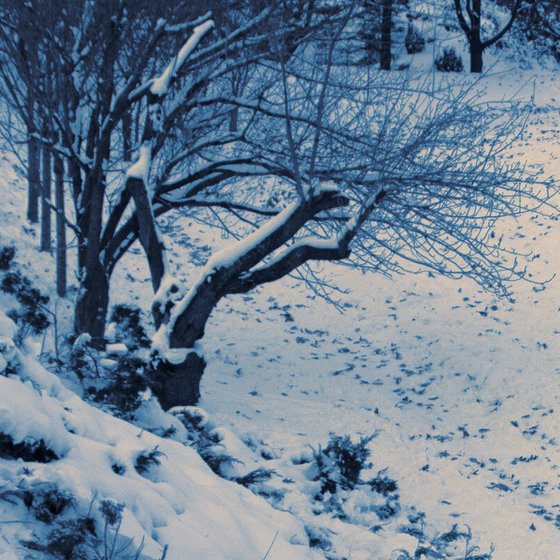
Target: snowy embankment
(77, 457)
(462, 387)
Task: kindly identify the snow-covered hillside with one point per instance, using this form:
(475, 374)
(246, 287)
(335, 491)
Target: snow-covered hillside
(417, 417)
(82, 466)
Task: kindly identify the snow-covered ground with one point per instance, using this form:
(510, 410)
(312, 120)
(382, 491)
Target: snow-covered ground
(461, 390)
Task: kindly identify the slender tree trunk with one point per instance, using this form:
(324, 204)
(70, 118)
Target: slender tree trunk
(92, 303)
(46, 198)
(148, 232)
(127, 135)
(476, 57)
(60, 227)
(33, 177)
(386, 24)
(475, 41)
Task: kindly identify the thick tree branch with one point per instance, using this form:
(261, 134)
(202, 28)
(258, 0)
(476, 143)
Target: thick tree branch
(498, 36)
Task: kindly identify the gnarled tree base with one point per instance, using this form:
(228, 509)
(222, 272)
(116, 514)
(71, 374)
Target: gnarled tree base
(178, 384)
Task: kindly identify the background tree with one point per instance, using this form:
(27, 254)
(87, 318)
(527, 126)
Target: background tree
(471, 26)
(19, 72)
(539, 23)
(386, 27)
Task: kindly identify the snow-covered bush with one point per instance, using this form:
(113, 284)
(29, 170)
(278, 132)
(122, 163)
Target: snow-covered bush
(47, 501)
(414, 41)
(81, 536)
(31, 315)
(449, 61)
(124, 387)
(343, 492)
(7, 254)
(126, 327)
(340, 463)
(7, 353)
(454, 544)
(116, 378)
(147, 459)
(26, 450)
(204, 439)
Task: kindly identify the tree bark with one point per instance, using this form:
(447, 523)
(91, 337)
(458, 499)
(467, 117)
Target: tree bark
(148, 232)
(475, 39)
(33, 177)
(178, 384)
(61, 280)
(92, 304)
(46, 192)
(386, 24)
(127, 135)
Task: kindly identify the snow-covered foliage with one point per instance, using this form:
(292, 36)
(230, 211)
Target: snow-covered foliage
(75, 460)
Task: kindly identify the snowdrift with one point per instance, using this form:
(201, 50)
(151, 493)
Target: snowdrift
(174, 500)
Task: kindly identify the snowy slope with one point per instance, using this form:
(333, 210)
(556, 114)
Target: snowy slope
(461, 388)
(176, 501)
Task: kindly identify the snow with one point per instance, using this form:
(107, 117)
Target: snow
(160, 85)
(179, 503)
(140, 169)
(462, 388)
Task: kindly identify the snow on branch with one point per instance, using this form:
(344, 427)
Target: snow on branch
(160, 85)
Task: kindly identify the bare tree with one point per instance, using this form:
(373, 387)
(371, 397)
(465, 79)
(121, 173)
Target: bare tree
(316, 164)
(19, 75)
(375, 174)
(386, 27)
(472, 28)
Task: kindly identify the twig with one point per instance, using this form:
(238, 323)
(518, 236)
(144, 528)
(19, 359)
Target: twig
(270, 547)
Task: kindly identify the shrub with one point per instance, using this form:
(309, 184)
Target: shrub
(123, 394)
(116, 385)
(340, 464)
(47, 501)
(31, 317)
(382, 484)
(111, 512)
(414, 42)
(255, 477)
(204, 440)
(147, 459)
(26, 450)
(70, 539)
(128, 328)
(449, 61)
(7, 254)
(77, 538)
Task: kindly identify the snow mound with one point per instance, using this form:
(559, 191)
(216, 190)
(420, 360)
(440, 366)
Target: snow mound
(170, 497)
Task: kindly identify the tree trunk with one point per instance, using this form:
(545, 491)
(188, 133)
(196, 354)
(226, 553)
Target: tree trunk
(475, 41)
(46, 198)
(386, 24)
(92, 304)
(127, 135)
(60, 227)
(476, 57)
(148, 232)
(33, 178)
(178, 384)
